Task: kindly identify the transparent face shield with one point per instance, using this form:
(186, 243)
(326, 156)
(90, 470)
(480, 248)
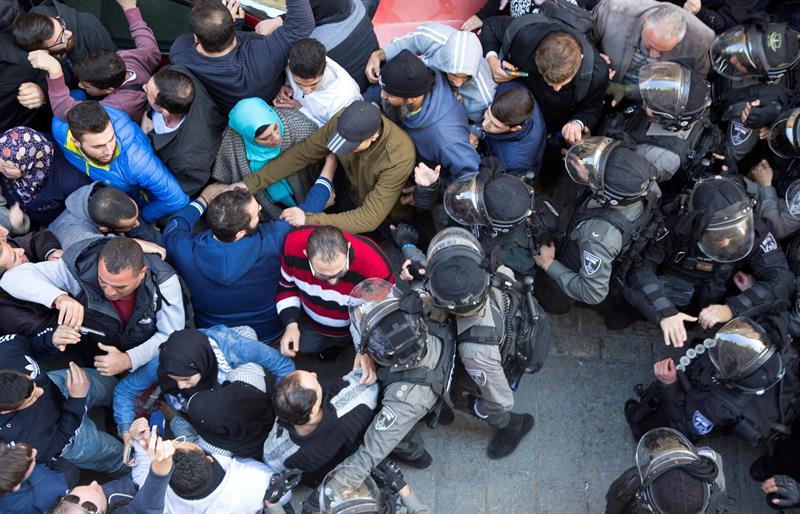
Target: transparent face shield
(585, 161)
(729, 240)
(793, 199)
(345, 491)
(730, 55)
(369, 302)
(665, 87)
(453, 237)
(783, 138)
(463, 202)
(660, 450)
(740, 351)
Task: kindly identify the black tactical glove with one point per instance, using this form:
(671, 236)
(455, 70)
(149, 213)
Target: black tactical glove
(280, 484)
(772, 101)
(788, 494)
(388, 474)
(405, 234)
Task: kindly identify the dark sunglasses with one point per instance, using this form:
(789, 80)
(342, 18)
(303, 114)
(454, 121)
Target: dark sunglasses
(60, 36)
(89, 507)
(335, 276)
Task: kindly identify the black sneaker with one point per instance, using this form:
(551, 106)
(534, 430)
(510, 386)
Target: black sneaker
(423, 462)
(506, 440)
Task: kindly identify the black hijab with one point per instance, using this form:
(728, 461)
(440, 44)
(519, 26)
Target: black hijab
(235, 416)
(183, 354)
(329, 11)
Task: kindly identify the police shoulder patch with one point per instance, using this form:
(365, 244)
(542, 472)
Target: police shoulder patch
(591, 263)
(702, 425)
(768, 244)
(477, 375)
(386, 418)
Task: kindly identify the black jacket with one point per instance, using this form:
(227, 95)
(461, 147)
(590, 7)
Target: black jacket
(15, 70)
(19, 316)
(558, 107)
(189, 152)
(88, 31)
(52, 421)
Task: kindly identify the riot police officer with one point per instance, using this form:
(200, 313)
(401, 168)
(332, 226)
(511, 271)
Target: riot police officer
(671, 476)
(460, 283)
(709, 235)
(509, 219)
(416, 356)
(726, 384)
(610, 208)
(672, 126)
(755, 80)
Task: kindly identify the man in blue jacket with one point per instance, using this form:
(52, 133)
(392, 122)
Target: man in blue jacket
(420, 100)
(236, 254)
(109, 147)
(25, 487)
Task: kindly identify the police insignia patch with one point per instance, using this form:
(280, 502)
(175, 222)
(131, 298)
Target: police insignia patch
(386, 419)
(768, 244)
(591, 263)
(702, 425)
(739, 133)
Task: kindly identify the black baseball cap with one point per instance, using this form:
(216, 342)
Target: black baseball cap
(359, 121)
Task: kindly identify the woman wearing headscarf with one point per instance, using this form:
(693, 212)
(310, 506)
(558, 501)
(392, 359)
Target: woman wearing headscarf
(191, 361)
(35, 176)
(257, 134)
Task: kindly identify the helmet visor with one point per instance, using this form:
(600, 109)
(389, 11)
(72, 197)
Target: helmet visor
(730, 55)
(738, 348)
(345, 490)
(398, 339)
(585, 161)
(783, 137)
(369, 302)
(463, 201)
(793, 199)
(453, 237)
(660, 450)
(730, 240)
(665, 88)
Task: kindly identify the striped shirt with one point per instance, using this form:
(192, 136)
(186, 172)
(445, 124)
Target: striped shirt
(325, 304)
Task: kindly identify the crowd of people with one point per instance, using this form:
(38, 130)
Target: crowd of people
(183, 241)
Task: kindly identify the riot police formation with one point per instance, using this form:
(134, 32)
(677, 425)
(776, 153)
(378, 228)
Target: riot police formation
(426, 220)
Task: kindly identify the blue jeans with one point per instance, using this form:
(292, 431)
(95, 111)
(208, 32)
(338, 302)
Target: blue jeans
(91, 448)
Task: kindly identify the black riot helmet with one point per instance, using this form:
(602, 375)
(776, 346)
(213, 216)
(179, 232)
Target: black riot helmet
(723, 224)
(745, 358)
(673, 94)
(388, 324)
(614, 172)
(676, 477)
(763, 50)
(784, 135)
(458, 275)
(499, 203)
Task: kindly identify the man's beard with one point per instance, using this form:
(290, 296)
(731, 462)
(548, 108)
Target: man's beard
(397, 114)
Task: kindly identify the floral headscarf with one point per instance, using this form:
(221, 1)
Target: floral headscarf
(32, 153)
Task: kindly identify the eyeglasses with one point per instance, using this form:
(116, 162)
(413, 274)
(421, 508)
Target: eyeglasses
(89, 507)
(60, 39)
(335, 276)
